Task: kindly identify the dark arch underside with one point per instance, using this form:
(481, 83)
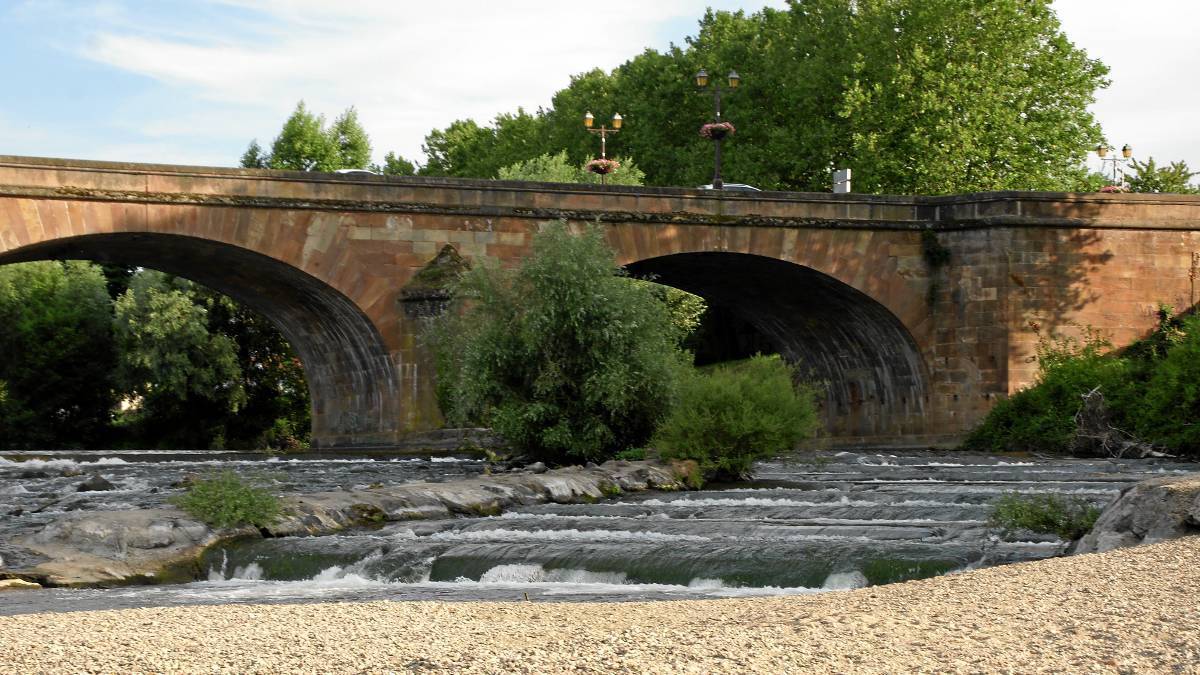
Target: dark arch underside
(354, 389)
(868, 361)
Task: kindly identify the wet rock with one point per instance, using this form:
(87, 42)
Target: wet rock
(187, 481)
(71, 472)
(96, 483)
(18, 585)
(34, 473)
(1150, 511)
(119, 546)
(107, 547)
(537, 467)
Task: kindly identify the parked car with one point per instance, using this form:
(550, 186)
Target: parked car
(732, 187)
(357, 172)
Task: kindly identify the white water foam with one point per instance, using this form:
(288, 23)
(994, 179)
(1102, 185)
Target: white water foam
(845, 581)
(504, 536)
(746, 501)
(58, 464)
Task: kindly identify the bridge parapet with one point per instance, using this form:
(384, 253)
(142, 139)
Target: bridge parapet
(919, 353)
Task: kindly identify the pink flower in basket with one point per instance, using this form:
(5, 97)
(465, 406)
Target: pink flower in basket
(602, 166)
(717, 130)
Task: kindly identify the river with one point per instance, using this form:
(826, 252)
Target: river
(807, 524)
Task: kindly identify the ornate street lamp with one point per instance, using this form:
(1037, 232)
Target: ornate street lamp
(718, 130)
(1126, 154)
(604, 165)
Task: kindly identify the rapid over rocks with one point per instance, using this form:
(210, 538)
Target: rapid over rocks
(152, 545)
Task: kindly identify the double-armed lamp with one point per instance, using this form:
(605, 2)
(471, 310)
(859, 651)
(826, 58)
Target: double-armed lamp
(702, 79)
(1126, 153)
(589, 122)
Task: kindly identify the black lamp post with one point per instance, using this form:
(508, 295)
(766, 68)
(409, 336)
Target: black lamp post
(589, 121)
(717, 135)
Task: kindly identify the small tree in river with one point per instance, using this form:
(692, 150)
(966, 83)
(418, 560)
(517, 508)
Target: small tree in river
(562, 357)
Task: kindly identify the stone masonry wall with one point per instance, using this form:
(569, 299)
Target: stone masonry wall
(327, 258)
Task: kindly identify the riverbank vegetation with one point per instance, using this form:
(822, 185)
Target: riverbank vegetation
(1089, 399)
(568, 361)
(107, 356)
(729, 416)
(1068, 518)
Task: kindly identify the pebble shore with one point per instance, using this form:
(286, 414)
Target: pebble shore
(1129, 610)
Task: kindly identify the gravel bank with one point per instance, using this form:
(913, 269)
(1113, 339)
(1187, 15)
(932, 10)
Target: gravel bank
(1130, 610)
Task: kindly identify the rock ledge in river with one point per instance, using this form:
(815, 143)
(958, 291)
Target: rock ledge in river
(1151, 511)
(153, 545)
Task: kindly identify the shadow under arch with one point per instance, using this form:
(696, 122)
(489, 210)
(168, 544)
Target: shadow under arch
(876, 383)
(352, 385)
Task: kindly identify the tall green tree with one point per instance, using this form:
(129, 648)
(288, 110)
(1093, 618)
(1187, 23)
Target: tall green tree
(254, 157)
(1175, 177)
(304, 144)
(915, 96)
(276, 412)
(56, 338)
(395, 165)
(468, 150)
(184, 378)
(351, 145)
(962, 95)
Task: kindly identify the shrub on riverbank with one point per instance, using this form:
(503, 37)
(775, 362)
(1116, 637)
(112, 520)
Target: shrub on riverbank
(562, 357)
(1067, 517)
(1151, 391)
(225, 499)
(1041, 418)
(731, 416)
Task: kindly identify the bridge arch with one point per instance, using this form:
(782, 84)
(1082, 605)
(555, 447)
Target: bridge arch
(353, 387)
(875, 380)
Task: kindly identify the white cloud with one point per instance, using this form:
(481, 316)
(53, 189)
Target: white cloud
(224, 71)
(408, 68)
(1153, 52)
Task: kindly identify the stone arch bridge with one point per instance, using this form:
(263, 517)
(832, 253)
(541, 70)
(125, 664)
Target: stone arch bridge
(914, 345)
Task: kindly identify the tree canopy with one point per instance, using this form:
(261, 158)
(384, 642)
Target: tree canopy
(55, 333)
(305, 143)
(924, 96)
(1175, 177)
(559, 169)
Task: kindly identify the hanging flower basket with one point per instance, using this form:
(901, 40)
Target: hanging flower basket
(602, 166)
(1114, 188)
(717, 130)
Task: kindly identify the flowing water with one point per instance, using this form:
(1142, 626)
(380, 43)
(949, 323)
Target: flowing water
(804, 525)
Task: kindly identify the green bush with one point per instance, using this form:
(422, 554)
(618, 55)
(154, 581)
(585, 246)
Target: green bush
(1042, 417)
(225, 499)
(1068, 518)
(563, 357)
(1170, 408)
(730, 416)
(1151, 390)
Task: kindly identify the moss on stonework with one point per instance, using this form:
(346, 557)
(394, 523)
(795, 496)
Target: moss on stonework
(439, 273)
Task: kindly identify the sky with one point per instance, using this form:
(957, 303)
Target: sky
(192, 82)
